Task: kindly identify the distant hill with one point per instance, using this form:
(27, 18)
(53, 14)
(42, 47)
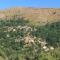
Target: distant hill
(35, 15)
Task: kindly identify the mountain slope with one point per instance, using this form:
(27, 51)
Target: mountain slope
(36, 15)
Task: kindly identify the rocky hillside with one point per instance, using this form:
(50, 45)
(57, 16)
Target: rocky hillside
(21, 40)
(36, 15)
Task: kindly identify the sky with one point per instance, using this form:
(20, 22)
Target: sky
(30, 3)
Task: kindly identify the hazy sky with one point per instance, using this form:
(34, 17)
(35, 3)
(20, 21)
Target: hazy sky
(30, 3)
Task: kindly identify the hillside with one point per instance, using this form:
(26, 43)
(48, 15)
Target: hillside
(30, 34)
(35, 15)
(21, 41)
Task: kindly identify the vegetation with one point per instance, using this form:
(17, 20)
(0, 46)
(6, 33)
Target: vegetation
(19, 40)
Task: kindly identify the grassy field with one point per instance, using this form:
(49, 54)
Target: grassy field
(20, 40)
